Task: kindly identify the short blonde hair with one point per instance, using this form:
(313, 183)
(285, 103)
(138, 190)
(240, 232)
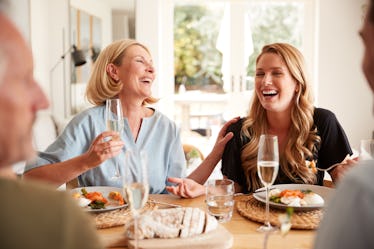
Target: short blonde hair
(100, 85)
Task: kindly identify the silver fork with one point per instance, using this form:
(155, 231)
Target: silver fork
(336, 164)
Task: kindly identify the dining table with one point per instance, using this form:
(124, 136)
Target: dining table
(244, 231)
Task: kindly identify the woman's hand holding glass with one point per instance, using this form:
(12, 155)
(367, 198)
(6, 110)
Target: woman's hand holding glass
(102, 149)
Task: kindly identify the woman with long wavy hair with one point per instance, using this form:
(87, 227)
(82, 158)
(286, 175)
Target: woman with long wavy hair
(283, 106)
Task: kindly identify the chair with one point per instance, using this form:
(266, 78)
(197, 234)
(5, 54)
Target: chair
(191, 151)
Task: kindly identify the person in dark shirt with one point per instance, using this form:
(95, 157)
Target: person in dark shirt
(282, 106)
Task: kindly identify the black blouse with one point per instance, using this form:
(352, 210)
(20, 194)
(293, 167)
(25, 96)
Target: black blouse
(333, 148)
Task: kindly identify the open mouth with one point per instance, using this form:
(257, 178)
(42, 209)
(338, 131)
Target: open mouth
(146, 80)
(269, 93)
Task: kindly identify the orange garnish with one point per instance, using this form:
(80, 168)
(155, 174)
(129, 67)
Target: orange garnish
(292, 193)
(114, 195)
(96, 196)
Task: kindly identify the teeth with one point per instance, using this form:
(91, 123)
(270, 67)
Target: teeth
(269, 92)
(147, 80)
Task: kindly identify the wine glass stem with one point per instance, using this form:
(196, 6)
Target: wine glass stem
(136, 230)
(117, 169)
(267, 223)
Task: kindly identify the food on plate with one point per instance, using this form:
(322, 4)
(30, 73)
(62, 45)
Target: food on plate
(96, 200)
(311, 165)
(173, 223)
(295, 197)
(115, 195)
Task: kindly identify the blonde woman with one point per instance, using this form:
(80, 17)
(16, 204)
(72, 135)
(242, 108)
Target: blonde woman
(282, 106)
(123, 70)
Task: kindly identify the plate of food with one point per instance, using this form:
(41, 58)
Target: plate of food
(301, 197)
(99, 199)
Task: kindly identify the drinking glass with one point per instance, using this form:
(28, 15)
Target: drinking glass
(220, 199)
(367, 149)
(267, 170)
(135, 184)
(114, 122)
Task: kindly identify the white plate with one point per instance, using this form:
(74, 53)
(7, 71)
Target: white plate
(324, 192)
(105, 190)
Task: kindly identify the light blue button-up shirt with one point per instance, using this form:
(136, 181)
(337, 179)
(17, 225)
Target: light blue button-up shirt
(158, 136)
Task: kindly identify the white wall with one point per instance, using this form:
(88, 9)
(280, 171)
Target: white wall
(20, 14)
(50, 38)
(101, 10)
(342, 86)
(49, 21)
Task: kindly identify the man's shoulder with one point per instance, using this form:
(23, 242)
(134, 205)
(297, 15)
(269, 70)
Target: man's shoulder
(32, 190)
(37, 209)
(362, 174)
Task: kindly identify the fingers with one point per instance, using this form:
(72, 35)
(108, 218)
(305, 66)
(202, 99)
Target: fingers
(105, 134)
(175, 180)
(176, 190)
(227, 138)
(227, 124)
(171, 189)
(180, 190)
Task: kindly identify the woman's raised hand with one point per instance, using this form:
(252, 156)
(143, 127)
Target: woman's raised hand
(223, 138)
(103, 148)
(186, 188)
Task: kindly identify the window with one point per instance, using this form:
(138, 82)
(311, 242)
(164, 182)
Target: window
(216, 42)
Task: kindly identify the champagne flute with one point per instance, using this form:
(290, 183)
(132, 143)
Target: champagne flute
(135, 184)
(267, 170)
(114, 122)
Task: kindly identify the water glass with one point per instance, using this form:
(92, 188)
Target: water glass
(220, 198)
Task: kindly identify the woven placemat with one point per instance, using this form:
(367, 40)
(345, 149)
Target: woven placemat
(118, 217)
(252, 209)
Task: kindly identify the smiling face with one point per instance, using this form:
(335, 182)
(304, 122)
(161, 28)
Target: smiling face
(275, 86)
(136, 72)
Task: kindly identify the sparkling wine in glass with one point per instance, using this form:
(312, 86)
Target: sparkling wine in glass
(135, 184)
(267, 170)
(114, 122)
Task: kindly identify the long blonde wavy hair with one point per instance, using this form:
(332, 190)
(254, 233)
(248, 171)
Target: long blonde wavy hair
(100, 85)
(302, 136)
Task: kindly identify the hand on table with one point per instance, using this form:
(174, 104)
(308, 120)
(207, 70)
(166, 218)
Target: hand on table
(186, 188)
